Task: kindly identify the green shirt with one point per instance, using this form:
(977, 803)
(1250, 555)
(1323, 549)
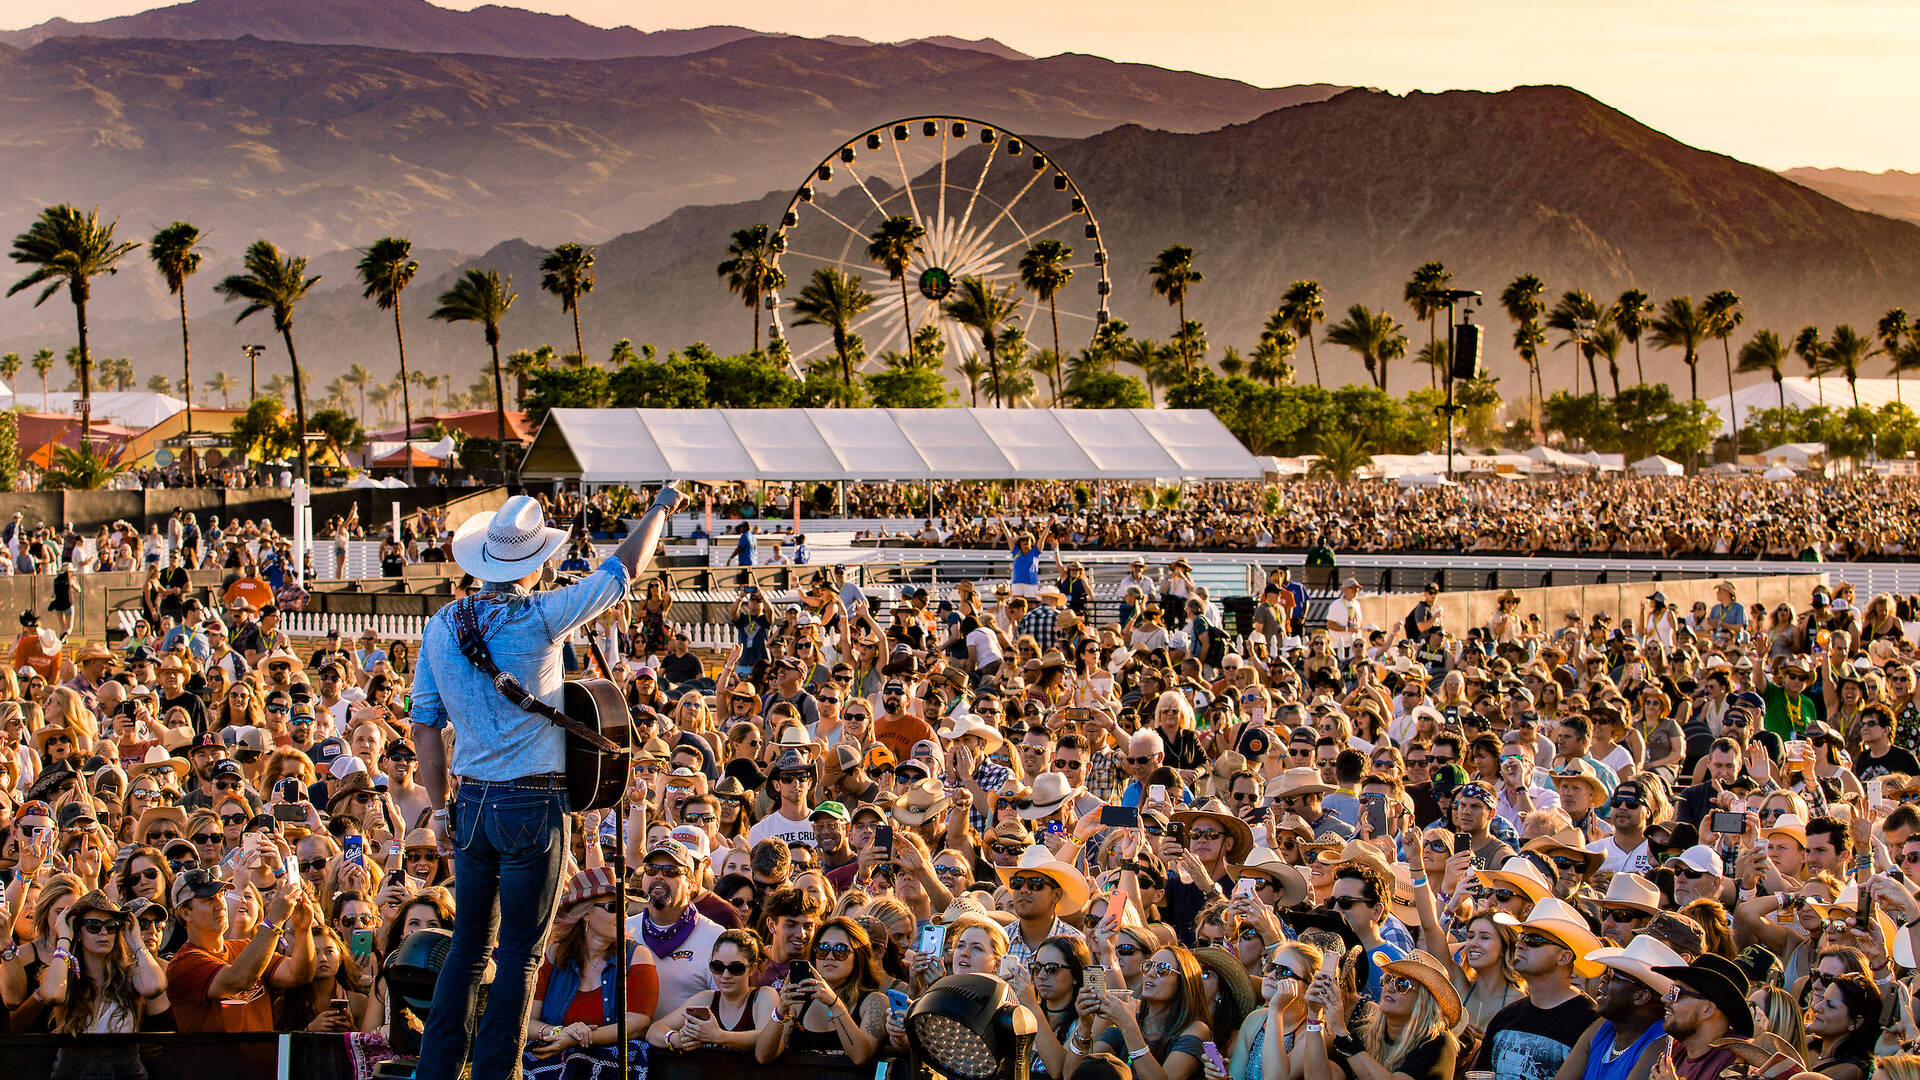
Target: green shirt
(1787, 716)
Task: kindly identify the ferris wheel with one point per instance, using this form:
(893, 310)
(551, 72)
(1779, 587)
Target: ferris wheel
(982, 198)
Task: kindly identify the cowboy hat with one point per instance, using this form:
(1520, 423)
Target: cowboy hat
(1791, 826)
(1579, 772)
(1632, 891)
(1518, 872)
(1560, 921)
(1239, 836)
(1267, 863)
(1050, 792)
(1722, 983)
(1425, 970)
(973, 725)
(282, 656)
(154, 814)
(1639, 959)
(1302, 781)
(1568, 843)
(1354, 851)
(1074, 890)
(1052, 658)
(506, 544)
(1291, 823)
(94, 650)
(919, 802)
(41, 736)
(1757, 1050)
(354, 783)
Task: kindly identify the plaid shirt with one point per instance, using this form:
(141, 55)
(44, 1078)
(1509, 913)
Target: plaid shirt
(1044, 624)
(990, 776)
(1019, 952)
(1105, 777)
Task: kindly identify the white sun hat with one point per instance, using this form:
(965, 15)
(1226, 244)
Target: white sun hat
(508, 544)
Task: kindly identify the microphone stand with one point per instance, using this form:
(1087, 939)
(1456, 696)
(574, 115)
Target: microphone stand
(620, 905)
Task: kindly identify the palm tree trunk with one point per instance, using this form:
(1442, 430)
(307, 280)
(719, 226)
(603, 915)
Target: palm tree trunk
(906, 313)
(1053, 310)
(1593, 371)
(186, 367)
(299, 402)
(1733, 407)
(1780, 384)
(993, 368)
(1314, 351)
(1639, 372)
(499, 406)
(753, 312)
(579, 349)
(79, 290)
(1433, 373)
(1693, 376)
(406, 399)
(1185, 360)
(1852, 384)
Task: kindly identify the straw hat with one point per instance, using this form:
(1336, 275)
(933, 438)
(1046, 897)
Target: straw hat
(1050, 792)
(154, 814)
(1639, 958)
(1518, 873)
(1039, 860)
(1756, 1051)
(506, 544)
(1790, 826)
(1230, 973)
(282, 656)
(973, 725)
(41, 736)
(1302, 781)
(1632, 891)
(1567, 843)
(1053, 658)
(1267, 863)
(1239, 836)
(1559, 920)
(1579, 772)
(156, 760)
(1354, 851)
(1426, 971)
(918, 803)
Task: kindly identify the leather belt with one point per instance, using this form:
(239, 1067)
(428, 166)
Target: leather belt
(536, 782)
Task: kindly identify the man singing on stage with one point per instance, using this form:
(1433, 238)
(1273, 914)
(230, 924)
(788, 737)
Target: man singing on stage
(508, 820)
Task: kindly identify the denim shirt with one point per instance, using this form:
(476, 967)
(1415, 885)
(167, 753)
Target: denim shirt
(495, 740)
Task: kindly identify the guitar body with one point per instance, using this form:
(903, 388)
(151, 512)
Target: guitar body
(595, 779)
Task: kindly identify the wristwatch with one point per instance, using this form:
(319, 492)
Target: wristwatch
(7, 954)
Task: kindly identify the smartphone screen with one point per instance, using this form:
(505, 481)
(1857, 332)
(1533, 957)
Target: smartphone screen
(699, 1012)
(1119, 817)
(883, 838)
(1727, 823)
(1157, 794)
(1375, 807)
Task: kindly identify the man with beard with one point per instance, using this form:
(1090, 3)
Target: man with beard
(203, 753)
(680, 937)
(1626, 850)
(1697, 875)
(1040, 890)
(1628, 1038)
(1527, 1040)
(896, 728)
(1708, 1002)
(830, 835)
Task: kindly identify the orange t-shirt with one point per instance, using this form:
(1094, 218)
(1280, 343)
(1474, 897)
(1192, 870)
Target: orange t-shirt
(643, 995)
(192, 972)
(27, 652)
(900, 735)
(253, 590)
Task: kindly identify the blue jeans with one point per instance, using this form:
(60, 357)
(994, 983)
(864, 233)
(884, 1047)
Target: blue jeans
(509, 847)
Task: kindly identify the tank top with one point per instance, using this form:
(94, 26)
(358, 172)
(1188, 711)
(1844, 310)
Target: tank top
(1605, 1065)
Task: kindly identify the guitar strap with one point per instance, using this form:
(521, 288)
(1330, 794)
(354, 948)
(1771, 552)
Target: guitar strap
(466, 633)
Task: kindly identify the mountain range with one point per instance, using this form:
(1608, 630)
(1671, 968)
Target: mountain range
(1355, 191)
(418, 26)
(1893, 193)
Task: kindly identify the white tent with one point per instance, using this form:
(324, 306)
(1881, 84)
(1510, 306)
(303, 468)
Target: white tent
(714, 445)
(1559, 459)
(1605, 462)
(1658, 466)
(136, 409)
(1795, 455)
(1779, 472)
(1422, 480)
(1803, 392)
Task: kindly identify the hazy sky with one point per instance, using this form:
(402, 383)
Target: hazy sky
(1776, 82)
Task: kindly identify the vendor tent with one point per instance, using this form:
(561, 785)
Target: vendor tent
(1658, 466)
(717, 445)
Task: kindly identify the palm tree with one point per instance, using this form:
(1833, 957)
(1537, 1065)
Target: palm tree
(1377, 338)
(80, 470)
(338, 395)
(1522, 301)
(117, 373)
(1343, 454)
(1766, 352)
(175, 251)
(1422, 294)
(567, 272)
(1722, 309)
(224, 385)
(1527, 339)
(10, 368)
(277, 386)
(1436, 356)
(482, 296)
(381, 396)
(1630, 315)
(752, 270)
(1173, 275)
(1682, 326)
(386, 269)
(359, 378)
(834, 299)
(1232, 363)
(988, 310)
(1812, 353)
(891, 247)
(1300, 308)
(1190, 342)
(160, 384)
(66, 246)
(1606, 342)
(43, 366)
(522, 364)
(1579, 316)
(1044, 271)
(275, 283)
(972, 370)
(1846, 352)
(1271, 362)
(1891, 329)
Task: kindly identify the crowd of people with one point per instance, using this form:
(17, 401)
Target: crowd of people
(1547, 846)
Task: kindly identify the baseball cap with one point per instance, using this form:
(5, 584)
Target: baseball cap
(199, 883)
(927, 749)
(694, 840)
(206, 740)
(673, 849)
(1699, 858)
(346, 765)
(226, 767)
(829, 809)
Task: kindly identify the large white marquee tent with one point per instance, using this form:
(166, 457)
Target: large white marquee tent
(719, 445)
(1803, 392)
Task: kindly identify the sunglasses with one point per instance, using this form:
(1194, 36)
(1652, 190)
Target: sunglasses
(1676, 992)
(1148, 760)
(148, 921)
(1013, 851)
(1628, 803)
(736, 969)
(179, 865)
(226, 785)
(1161, 967)
(1399, 984)
(1503, 896)
(233, 819)
(832, 950)
(611, 907)
(313, 866)
(701, 819)
(945, 870)
(1205, 834)
(100, 926)
(207, 839)
(1037, 969)
(670, 872)
(1127, 948)
(1538, 941)
(1564, 864)
(1347, 903)
(1028, 882)
(1245, 796)
(151, 873)
(1063, 764)
(161, 836)
(1620, 914)
(363, 920)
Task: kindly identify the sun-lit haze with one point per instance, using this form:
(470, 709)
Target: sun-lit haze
(1776, 82)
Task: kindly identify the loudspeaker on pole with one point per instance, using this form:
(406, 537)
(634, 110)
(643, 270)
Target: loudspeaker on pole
(1466, 351)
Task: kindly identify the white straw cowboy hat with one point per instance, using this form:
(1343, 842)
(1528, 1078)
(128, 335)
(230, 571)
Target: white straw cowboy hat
(1074, 890)
(1639, 958)
(1632, 891)
(508, 544)
(1050, 792)
(1559, 920)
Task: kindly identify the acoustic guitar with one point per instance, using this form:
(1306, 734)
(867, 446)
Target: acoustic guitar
(596, 779)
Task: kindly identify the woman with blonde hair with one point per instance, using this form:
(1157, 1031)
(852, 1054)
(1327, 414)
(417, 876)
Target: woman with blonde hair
(240, 707)
(1265, 1048)
(1776, 1010)
(65, 707)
